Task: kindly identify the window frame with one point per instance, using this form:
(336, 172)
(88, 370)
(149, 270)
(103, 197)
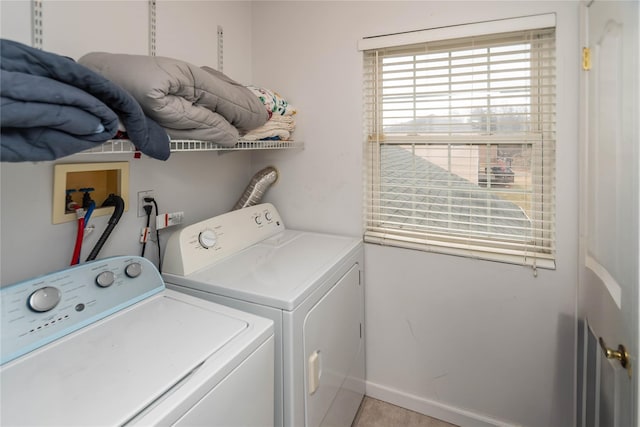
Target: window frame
(452, 242)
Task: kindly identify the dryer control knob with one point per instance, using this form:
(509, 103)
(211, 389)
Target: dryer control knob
(133, 270)
(105, 279)
(44, 299)
(208, 238)
(268, 216)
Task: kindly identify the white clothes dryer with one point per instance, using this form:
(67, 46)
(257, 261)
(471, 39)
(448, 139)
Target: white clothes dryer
(104, 343)
(309, 284)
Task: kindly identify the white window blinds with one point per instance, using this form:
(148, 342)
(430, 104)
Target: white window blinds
(460, 146)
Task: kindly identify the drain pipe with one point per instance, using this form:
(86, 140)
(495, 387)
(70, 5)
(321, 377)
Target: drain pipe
(112, 200)
(259, 184)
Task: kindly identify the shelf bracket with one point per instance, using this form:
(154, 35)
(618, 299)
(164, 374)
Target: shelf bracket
(152, 27)
(36, 24)
(220, 48)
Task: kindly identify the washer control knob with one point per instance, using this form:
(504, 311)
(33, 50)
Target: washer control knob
(258, 219)
(208, 238)
(133, 270)
(44, 299)
(268, 216)
(105, 279)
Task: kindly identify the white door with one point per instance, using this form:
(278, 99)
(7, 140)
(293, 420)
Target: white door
(609, 210)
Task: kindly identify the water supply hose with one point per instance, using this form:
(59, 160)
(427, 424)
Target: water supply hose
(90, 209)
(259, 184)
(75, 258)
(112, 200)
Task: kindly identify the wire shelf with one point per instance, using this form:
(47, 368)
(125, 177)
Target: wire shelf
(116, 146)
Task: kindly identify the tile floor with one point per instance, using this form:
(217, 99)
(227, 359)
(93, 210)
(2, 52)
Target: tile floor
(376, 413)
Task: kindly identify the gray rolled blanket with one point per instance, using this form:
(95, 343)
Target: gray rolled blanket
(190, 102)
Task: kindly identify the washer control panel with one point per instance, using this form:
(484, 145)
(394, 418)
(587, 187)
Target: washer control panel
(38, 311)
(200, 245)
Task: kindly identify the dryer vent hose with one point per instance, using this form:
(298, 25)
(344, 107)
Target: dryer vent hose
(259, 184)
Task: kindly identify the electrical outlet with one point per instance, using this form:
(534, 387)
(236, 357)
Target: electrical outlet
(141, 202)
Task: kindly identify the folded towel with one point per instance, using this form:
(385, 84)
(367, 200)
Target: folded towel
(277, 126)
(284, 120)
(273, 101)
(275, 134)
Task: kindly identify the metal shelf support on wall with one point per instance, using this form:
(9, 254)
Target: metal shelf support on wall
(36, 24)
(152, 27)
(220, 48)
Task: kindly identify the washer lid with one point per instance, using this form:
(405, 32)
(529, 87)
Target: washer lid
(108, 372)
(279, 272)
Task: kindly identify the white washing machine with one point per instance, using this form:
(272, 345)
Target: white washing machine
(104, 343)
(309, 284)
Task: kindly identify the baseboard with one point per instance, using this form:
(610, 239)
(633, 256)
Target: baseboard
(450, 414)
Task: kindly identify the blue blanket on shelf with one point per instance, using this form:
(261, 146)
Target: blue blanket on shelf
(53, 107)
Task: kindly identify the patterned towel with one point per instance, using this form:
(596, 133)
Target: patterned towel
(275, 103)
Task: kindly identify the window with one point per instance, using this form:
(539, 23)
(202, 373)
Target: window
(460, 146)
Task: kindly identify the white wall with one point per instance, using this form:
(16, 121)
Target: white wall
(200, 184)
(470, 341)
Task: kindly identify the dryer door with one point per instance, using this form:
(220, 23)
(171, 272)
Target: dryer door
(333, 347)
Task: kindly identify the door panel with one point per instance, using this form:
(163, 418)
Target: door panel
(605, 177)
(609, 214)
